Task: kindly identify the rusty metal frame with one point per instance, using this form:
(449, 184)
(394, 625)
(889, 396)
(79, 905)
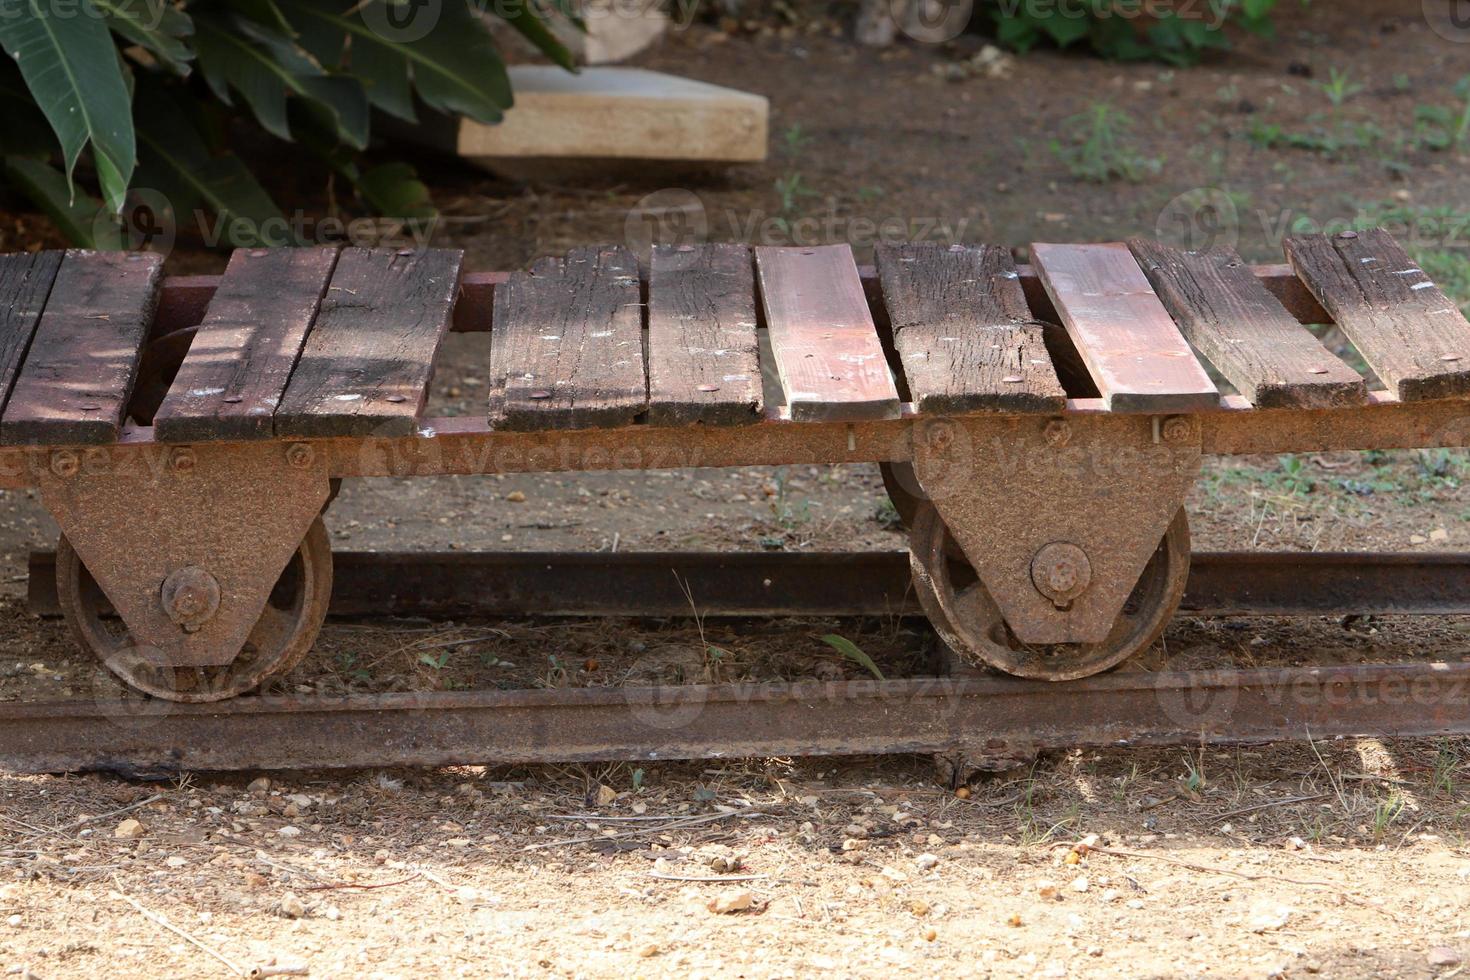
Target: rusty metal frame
(975, 718)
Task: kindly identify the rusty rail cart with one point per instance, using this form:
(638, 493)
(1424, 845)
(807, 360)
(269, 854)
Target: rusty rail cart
(1038, 428)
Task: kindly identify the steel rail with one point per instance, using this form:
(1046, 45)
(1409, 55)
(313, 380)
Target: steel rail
(971, 716)
(653, 584)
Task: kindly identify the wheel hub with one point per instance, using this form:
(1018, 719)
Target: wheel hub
(1061, 572)
(191, 597)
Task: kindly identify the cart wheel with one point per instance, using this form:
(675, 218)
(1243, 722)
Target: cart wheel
(902, 487)
(280, 638)
(965, 616)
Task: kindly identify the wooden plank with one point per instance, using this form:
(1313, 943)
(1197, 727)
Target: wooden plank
(1415, 339)
(1123, 333)
(367, 361)
(25, 282)
(567, 348)
(963, 331)
(823, 341)
(74, 385)
(240, 360)
(1224, 311)
(702, 341)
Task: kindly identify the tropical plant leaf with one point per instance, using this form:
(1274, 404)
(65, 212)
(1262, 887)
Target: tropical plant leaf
(74, 214)
(70, 66)
(452, 60)
(154, 25)
(530, 21)
(395, 191)
(265, 68)
(852, 652)
(175, 161)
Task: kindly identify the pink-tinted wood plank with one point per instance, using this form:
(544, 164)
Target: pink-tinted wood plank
(827, 353)
(1135, 353)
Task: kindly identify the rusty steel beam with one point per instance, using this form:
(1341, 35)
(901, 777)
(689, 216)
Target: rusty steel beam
(972, 716)
(870, 583)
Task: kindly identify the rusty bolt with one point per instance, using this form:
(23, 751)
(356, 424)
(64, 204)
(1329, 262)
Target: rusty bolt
(183, 460)
(190, 596)
(940, 435)
(300, 455)
(1177, 429)
(1058, 433)
(64, 463)
(1061, 572)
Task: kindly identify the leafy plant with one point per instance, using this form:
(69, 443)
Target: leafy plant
(133, 95)
(1178, 33)
(1339, 87)
(1098, 147)
(851, 651)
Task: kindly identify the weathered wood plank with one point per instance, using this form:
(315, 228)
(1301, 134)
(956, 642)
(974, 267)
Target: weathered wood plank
(25, 282)
(1224, 311)
(1123, 333)
(240, 360)
(83, 359)
(366, 364)
(1415, 339)
(703, 363)
(826, 349)
(567, 348)
(964, 334)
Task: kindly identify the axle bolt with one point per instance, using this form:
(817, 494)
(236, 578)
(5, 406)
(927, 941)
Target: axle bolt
(940, 435)
(1058, 433)
(300, 455)
(1061, 572)
(190, 597)
(1177, 429)
(64, 463)
(183, 460)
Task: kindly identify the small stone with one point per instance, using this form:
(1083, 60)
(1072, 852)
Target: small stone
(1080, 885)
(128, 830)
(926, 861)
(333, 913)
(516, 497)
(648, 951)
(1439, 534)
(930, 935)
(853, 844)
(291, 906)
(1440, 957)
(963, 792)
(1134, 903)
(14, 921)
(731, 901)
(605, 794)
(1046, 889)
(259, 786)
(174, 861)
(289, 831)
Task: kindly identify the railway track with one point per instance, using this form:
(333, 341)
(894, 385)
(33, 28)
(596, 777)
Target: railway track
(962, 716)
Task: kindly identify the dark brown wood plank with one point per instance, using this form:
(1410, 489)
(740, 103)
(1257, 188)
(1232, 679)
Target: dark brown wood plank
(964, 334)
(1129, 342)
(1415, 339)
(240, 360)
(826, 349)
(567, 348)
(1224, 311)
(367, 361)
(703, 364)
(74, 384)
(25, 282)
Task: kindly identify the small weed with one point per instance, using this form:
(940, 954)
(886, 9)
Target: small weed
(637, 780)
(1339, 87)
(1098, 148)
(851, 651)
(435, 661)
(795, 139)
(1387, 811)
(791, 190)
(887, 516)
(1447, 765)
(1293, 476)
(1194, 774)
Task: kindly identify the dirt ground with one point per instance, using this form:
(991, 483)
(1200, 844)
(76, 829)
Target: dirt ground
(1343, 858)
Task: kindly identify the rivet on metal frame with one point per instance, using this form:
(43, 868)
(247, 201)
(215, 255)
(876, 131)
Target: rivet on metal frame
(939, 435)
(1177, 429)
(182, 461)
(1057, 433)
(64, 463)
(300, 455)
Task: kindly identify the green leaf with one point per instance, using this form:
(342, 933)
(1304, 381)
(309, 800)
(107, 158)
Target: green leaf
(75, 214)
(176, 162)
(154, 25)
(395, 191)
(529, 20)
(1067, 30)
(265, 68)
(452, 60)
(852, 652)
(71, 68)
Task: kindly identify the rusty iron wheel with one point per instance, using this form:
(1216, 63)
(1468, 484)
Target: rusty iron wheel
(279, 640)
(965, 616)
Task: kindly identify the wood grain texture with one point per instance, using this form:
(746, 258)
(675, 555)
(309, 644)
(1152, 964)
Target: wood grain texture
(963, 330)
(366, 364)
(1224, 311)
(566, 351)
(1129, 342)
(1415, 339)
(826, 349)
(240, 361)
(25, 283)
(702, 342)
(74, 384)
